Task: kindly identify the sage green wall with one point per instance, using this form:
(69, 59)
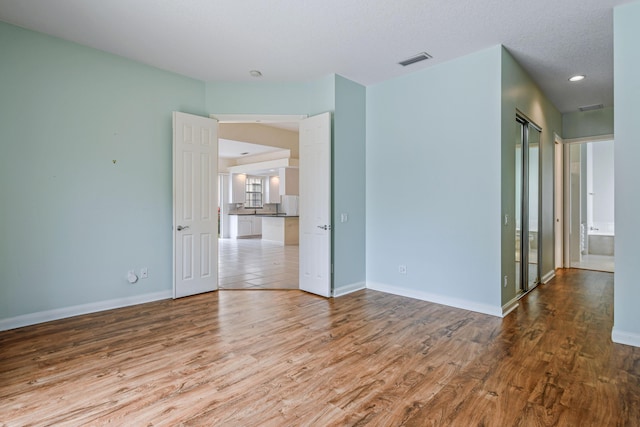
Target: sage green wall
(73, 222)
(310, 98)
(581, 124)
(627, 173)
(349, 184)
(346, 100)
(520, 93)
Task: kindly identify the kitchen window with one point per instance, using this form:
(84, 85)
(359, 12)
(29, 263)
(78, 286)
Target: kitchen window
(253, 192)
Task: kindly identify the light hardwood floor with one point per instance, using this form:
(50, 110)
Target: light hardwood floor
(287, 358)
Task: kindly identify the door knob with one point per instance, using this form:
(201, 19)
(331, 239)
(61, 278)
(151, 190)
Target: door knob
(180, 228)
(324, 227)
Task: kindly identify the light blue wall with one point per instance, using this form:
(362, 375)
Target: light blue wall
(627, 173)
(72, 222)
(433, 182)
(581, 124)
(521, 94)
(349, 184)
(346, 100)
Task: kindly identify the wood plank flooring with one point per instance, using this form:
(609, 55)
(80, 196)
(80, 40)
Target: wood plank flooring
(287, 358)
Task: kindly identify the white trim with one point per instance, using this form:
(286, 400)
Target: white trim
(595, 138)
(548, 277)
(438, 299)
(623, 337)
(510, 306)
(76, 310)
(347, 289)
(258, 118)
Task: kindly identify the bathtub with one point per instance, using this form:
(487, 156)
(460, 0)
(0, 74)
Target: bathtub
(601, 239)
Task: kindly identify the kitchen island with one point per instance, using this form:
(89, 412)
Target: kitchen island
(280, 228)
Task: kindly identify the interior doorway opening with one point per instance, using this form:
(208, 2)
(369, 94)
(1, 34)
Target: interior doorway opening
(254, 154)
(590, 204)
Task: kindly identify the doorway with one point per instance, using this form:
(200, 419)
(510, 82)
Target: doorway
(527, 200)
(590, 201)
(253, 159)
(314, 226)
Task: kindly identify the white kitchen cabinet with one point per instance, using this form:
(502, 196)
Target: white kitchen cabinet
(289, 182)
(272, 189)
(244, 226)
(256, 226)
(280, 229)
(237, 188)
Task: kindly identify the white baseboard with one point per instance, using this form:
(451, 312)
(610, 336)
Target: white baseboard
(510, 306)
(347, 289)
(76, 310)
(438, 299)
(622, 337)
(547, 277)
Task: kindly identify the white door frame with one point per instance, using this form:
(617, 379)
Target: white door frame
(558, 202)
(567, 187)
(259, 119)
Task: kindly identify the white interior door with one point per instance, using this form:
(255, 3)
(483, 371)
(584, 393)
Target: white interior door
(315, 204)
(195, 217)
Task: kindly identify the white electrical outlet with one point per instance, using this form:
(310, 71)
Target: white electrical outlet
(505, 281)
(402, 269)
(144, 273)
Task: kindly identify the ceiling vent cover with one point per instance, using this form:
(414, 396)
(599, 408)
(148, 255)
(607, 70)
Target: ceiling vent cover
(591, 107)
(417, 58)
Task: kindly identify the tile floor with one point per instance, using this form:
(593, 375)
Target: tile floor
(596, 262)
(256, 264)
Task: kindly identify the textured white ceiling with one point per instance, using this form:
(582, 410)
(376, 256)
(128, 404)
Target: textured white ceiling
(362, 40)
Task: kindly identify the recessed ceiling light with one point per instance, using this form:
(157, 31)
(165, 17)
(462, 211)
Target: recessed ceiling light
(577, 78)
(255, 73)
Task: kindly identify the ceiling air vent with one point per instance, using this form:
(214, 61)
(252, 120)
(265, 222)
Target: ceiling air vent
(417, 58)
(591, 107)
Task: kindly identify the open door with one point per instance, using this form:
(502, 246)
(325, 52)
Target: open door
(195, 218)
(315, 204)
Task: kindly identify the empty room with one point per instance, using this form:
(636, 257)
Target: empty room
(400, 249)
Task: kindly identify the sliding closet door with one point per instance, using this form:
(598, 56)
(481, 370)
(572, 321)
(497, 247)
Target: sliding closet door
(527, 157)
(518, 217)
(533, 143)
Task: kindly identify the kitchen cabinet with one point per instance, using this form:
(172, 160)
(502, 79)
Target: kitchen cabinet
(256, 226)
(289, 182)
(281, 229)
(237, 189)
(244, 226)
(272, 189)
